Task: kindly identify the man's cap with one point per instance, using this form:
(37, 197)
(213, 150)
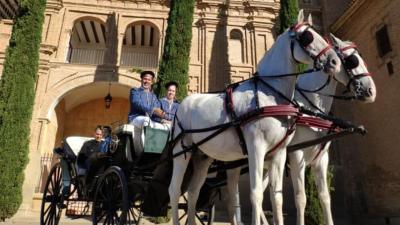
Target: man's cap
(147, 72)
(171, 83)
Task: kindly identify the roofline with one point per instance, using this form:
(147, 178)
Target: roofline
(346, 15)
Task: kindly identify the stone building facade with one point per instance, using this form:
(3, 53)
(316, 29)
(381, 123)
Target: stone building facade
(92, 48)
(370, 164)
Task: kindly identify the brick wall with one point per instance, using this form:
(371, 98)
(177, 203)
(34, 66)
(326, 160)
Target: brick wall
(371, 163)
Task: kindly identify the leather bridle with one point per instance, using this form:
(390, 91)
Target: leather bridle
(304, 39)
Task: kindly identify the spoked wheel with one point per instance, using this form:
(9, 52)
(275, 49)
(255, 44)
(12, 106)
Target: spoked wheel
(203, 217)
(210, 215)
(111, 203)
(52, 201)
(134, 216)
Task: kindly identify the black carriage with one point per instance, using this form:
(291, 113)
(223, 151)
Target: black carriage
(125, 182)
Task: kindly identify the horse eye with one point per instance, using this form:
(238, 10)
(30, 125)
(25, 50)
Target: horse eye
(306, 38)
(351, 62)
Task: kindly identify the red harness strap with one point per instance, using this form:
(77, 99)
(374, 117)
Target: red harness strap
(309, 121)
(269, 111)
(321, 147)
(317, 123)
(273, 111)
(288, 132)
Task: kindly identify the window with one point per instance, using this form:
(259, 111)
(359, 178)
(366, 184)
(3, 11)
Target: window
(236, 51)
(383, 42)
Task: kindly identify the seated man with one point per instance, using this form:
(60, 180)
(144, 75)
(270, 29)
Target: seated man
(169, 104)
(89, 148)
(145, 106)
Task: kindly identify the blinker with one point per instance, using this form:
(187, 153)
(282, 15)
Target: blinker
(306, 38)
(351, 62)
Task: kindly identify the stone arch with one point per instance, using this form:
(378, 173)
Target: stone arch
(141, 21)
(85, 17)
(141, 44)
(88, 41)
(60, 90)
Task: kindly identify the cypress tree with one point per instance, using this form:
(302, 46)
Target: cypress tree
(16, 102)
(288, 14)
(174, 65)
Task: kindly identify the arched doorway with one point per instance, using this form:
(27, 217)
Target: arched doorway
(83, 108)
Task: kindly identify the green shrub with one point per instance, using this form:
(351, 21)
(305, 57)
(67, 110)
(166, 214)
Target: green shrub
(313, 212)
(17, 93)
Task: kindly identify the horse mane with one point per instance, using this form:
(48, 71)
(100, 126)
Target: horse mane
(273, 48)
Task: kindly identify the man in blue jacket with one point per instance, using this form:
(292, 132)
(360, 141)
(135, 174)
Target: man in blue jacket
(144, 103)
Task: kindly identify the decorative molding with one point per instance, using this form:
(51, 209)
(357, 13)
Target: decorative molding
(200, 23)
(47, 49)
(54, 6)
(7, 22)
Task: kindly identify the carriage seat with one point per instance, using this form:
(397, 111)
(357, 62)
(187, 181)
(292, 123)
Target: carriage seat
(76, 143)
(71, 147)
(134, 140)
(143, 142)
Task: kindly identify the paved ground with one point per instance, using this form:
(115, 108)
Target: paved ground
(219, 220)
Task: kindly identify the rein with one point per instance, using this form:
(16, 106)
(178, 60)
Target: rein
(292, 109)
(353, 78)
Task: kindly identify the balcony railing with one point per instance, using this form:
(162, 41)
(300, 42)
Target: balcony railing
(142, 58)
(87, 56)
(136, 58)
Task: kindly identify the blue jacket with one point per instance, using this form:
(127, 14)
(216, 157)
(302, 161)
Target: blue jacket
(169, 109)
(142, 103)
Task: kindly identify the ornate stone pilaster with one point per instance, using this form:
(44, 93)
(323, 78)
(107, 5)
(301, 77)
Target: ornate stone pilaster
(46, 51)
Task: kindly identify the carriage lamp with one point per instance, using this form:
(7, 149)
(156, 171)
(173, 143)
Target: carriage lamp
(108, 98)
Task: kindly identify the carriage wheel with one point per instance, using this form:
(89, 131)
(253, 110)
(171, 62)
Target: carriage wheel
(134, 216)
(111, 205)
(204, 217)
(52, 201)
(210, 215)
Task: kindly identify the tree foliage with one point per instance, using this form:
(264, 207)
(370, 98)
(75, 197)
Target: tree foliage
(288, 14)
(174, 65)
(17, 92)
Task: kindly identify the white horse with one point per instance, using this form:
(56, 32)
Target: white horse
(364, 87)
(315, 91)
(261, 135)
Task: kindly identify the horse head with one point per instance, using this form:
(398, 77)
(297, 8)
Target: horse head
(307, 46)
(354, 72)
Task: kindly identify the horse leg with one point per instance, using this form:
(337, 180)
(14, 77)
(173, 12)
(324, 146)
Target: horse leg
(266, 178)
(276, 175)
(256, 162)
(180, 164)
(320, 170)
(297, 173)
(233, 201)
(201, 163)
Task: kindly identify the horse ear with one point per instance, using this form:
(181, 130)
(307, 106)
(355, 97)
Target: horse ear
(333, 38)
(300, 16)
(309, 19)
